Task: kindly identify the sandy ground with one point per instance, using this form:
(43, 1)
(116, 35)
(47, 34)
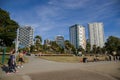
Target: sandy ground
(39, 69)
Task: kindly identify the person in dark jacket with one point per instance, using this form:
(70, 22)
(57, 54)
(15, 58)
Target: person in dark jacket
(12, 62)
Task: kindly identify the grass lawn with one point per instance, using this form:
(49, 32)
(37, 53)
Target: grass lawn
(70, 59)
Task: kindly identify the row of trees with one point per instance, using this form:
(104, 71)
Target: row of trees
(53, 47)
(112, 45)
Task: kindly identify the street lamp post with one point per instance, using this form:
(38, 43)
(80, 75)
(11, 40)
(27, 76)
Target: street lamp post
(3, 55)
(17, 42)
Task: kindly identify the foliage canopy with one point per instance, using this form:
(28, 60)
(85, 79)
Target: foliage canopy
(8, 29)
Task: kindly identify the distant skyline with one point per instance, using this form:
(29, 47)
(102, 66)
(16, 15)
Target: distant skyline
(50, 18)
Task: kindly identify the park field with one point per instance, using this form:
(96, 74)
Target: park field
(71, 59)
(74, 59)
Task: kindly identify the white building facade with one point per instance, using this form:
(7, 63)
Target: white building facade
(96, 34)
(25, 36)
(60, 41)
(77, 36)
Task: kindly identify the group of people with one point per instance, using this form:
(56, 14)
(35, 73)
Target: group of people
(12, 65)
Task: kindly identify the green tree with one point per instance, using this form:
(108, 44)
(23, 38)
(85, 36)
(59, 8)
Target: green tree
(118, 50)
(69, 47)
(99, 50)
(32, 48)
(8, 29)
(38, 43)
(103, 50)
(94, 50)
(38, 39)
(46, 48)
(55, 47)
(88, 47)
(112, 44)
(80, 49)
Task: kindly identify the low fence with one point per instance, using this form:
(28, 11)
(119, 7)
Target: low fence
(1, 53)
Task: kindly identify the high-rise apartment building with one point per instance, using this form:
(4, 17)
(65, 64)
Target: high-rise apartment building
(25, 36)
(96, 34)
(77, 36)
(60, 41)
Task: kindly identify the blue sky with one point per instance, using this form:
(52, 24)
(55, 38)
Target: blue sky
(54, 17)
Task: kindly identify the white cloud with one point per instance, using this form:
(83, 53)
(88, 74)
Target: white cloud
(54, 11)
(69, 4)
(55, 17)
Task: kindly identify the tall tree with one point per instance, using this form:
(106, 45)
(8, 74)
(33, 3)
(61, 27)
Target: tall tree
(80, 49)
(55, 47)
(118, 50)
(94, 50)
(88, 47)
(38, 39)
(103, 50)
(69, 47)
(99, 50)
(38, 43)
(8, 28)
(112, 44)
(32, 48)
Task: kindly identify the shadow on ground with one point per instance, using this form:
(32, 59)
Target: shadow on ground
(118, 68)
(118, 78)
(5, 68)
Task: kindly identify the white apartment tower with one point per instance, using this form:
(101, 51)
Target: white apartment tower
(77, 36)
(96, 34)
(25, 36)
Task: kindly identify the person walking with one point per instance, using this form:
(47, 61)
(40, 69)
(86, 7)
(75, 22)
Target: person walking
(20, 59)
(12, 62)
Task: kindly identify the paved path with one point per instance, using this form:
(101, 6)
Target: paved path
(39, 69)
